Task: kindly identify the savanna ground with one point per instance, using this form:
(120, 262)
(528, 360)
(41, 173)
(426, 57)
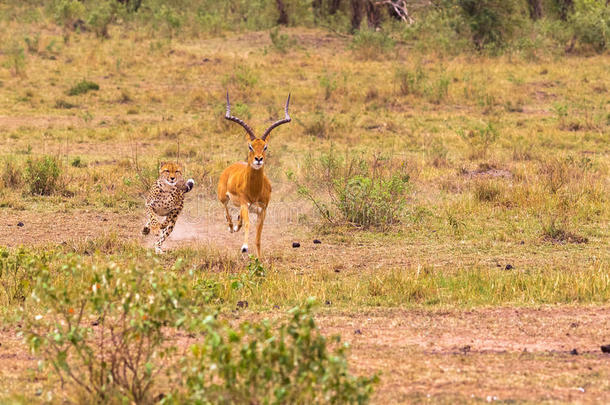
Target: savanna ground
(490, 282)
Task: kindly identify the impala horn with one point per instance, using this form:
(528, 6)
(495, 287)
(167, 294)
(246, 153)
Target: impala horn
(240, 122)
(286, 120)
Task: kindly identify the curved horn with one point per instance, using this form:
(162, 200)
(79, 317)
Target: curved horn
(240, 122)
(280, 122)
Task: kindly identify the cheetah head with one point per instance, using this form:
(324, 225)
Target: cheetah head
(171, 173)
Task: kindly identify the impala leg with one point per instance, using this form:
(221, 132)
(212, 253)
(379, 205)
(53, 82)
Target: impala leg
(246, 222)
(228, 215)
(259, 230)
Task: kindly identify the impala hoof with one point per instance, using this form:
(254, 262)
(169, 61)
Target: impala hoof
(145, 230)
(244, 249)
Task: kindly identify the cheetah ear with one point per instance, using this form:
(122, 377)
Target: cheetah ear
(161, 164)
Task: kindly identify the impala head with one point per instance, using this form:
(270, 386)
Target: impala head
(257, 147)
(170, 172)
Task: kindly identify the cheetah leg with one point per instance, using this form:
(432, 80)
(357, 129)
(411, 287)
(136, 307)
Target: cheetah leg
(151, 221)
(166, 228)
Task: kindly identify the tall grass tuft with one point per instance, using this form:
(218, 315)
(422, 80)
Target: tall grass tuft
(41, 175)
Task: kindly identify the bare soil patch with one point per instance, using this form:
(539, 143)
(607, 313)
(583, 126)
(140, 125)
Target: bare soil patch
(506, 354)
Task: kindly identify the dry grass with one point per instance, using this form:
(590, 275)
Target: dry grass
(533, 196)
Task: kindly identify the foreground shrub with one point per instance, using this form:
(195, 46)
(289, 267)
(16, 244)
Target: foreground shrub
(41, 175)
(102, 330)
(364, 194)
(262, 364)
(109, 334)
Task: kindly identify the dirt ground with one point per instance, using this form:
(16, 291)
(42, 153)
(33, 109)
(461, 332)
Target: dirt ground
(508, 355)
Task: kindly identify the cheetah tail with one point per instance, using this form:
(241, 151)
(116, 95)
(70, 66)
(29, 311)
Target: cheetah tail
(189, 185)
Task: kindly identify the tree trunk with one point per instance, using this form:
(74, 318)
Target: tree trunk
(373, 14)
(535, 7)
(334, 6)
(565, 7)
(281, 7)
(357, 11)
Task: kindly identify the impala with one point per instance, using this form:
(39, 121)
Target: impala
(245, 185)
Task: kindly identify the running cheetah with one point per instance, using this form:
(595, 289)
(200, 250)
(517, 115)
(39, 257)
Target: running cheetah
(166, 199)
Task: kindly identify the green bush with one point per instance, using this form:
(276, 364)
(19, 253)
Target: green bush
(101, 16)
(492, 22)
(83, 87)
(41, 175)
(591, 24)
(369, 44)
(479, 139)
(360, 193)
(103, 331)
(18, 274)
(262, 364)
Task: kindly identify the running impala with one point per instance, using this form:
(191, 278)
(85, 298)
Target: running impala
(245, 185)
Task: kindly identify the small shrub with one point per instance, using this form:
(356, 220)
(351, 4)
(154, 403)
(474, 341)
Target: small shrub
(41, 175)
(363, 194)
(83, 87)
(63, 104)
(317, 124)
(492, 22)
(487, 191)
(78, 162)
(282, 43)
(411, 82)
(329, 84)
(102, 332)
(100, 18)
(167, 20)
(479, 139)
(15, 59)
(11, 174)
(555, 231)
(17, 275)
(33, 43)
(369, 44)
(260, 363)
(591, 25)
(244, 77)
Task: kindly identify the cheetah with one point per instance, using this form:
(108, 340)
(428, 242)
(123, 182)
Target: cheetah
(166, 199)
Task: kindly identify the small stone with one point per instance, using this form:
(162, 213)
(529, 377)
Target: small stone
(20, 224)
(509, 267)
(276, 307)
(337, 270)
(242, 304)
(317, 241)
(357, 332)
(465, 349)
(296, 244)
(605, 349)
(574, 352)
(327, 303)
